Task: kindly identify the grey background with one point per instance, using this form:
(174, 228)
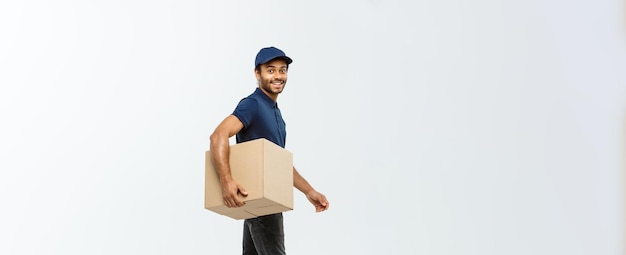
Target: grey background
(433, 127)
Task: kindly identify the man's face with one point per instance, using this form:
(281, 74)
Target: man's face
(272, 76)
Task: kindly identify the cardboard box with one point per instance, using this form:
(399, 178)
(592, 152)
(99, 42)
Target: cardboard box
(266, 172)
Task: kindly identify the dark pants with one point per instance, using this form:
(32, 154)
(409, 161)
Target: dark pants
(264, 235)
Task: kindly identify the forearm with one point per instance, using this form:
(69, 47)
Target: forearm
(220, 153)
(317, 199)
(300, 183)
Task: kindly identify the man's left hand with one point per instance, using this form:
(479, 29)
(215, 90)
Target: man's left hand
(318, 200)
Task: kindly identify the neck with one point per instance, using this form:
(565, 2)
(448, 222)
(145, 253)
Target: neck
(271, 95)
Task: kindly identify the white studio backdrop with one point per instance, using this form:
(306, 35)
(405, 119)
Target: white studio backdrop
(433, 127)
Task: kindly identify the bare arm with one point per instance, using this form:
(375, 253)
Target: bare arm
(317, 199)
(220, 153)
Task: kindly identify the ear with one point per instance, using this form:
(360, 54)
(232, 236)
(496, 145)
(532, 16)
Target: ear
(257, 74)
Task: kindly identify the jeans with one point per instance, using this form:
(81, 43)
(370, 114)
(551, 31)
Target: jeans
(264, 235)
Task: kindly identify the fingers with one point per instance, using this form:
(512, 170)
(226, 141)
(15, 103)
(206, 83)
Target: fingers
(233, 202)
(321, 204)
(243, 191)
(233, 199)
(231, 195)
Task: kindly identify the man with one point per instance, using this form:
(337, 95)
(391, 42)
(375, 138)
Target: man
(258, 116)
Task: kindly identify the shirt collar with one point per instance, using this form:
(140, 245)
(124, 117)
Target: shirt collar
(266, 98)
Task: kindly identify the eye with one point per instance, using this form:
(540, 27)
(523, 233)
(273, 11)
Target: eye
(270, 70)
(283, 70)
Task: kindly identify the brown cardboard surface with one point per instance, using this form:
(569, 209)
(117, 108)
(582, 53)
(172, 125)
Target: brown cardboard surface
(266, 172)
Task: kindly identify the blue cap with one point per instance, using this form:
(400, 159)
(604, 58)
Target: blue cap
(267, 54)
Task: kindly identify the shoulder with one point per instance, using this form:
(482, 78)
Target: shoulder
(249, 101)
(246, 110)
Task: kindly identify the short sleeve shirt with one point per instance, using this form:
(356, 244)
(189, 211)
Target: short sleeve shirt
(261, 118)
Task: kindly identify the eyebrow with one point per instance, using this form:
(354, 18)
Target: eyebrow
(276, 67)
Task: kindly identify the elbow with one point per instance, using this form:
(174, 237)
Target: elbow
(217, 137)
(214, 138)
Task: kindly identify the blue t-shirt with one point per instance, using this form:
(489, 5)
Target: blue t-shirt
(261, 118)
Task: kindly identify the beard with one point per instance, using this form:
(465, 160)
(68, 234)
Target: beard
(272, 89)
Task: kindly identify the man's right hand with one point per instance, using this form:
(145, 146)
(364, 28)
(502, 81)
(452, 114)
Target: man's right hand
(230, 191)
